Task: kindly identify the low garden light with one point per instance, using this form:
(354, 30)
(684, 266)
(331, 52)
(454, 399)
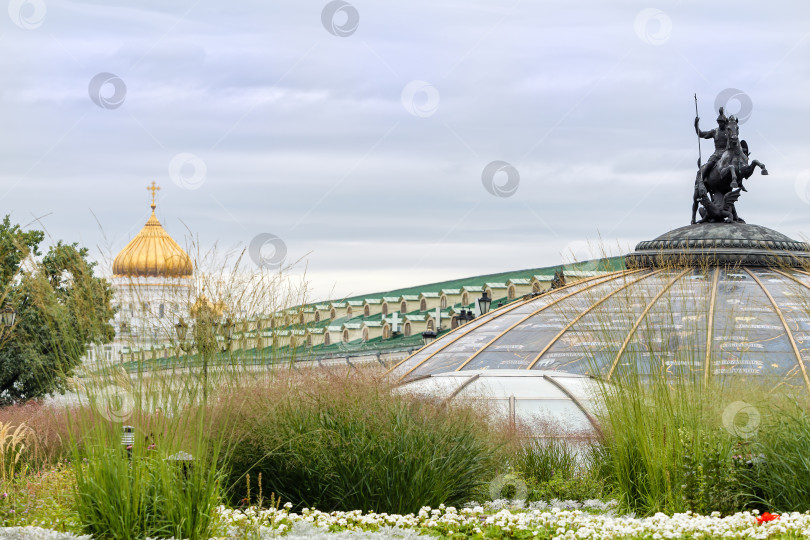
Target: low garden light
(428, 336)
(484, 302)
(128, 438)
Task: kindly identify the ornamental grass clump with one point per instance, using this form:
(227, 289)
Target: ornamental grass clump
(164, 484)
(556, 467)
(334, 441)
(665, 445)
(668, 448)
(13, 442)
(776, 463)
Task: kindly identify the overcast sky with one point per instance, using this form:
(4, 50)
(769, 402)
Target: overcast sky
(358, 133)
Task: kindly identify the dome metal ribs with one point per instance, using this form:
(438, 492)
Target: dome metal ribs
(584, 313)
(710, 325)
(484, 319)
(543, 308)
(788, 331)
(641, 318)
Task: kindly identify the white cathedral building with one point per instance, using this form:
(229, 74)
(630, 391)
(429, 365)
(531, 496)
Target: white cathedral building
(153, 281)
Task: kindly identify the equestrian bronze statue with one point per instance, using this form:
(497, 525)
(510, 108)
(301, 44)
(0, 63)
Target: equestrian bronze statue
(719, 182)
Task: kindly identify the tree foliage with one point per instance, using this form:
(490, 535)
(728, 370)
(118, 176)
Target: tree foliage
(61, 308)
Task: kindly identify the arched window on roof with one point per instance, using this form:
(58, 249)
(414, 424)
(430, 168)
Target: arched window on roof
(465, 298)
(443, 302)
(366, 310)
(403, 307)
(423, 305)
(406, 329)
(365, 334)
(511, 292)
(385, 308)
(345, 336)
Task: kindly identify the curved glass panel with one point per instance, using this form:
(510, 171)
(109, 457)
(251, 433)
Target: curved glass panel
(425, 352)
(592, 343)
(470, 342)
(435, 386)
(520, 387)
(552, 415)
(582, 329)
(519, 347)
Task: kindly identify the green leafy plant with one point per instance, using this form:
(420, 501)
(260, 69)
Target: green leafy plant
(44, 498)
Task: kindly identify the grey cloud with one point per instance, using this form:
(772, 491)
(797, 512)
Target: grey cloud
(597, 122)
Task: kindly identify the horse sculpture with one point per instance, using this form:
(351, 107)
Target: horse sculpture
(726, 176)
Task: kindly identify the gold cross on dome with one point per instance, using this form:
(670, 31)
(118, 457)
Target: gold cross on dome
(154, 189)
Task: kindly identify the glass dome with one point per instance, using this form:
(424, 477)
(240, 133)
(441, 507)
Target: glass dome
(710, 321)
(548, 403)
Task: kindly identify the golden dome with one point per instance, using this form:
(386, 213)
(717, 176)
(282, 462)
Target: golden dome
(203, 304)
(153, 253)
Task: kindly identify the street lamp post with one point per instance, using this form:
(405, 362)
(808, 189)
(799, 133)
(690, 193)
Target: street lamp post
(7, 317)
(204, 340)
(484, 302)
(428, 336)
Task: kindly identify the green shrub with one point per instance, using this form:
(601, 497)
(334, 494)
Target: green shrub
(351, 442)
(713, 479)
(44, 498)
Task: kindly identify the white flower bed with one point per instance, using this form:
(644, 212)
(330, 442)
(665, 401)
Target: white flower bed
(538, 523)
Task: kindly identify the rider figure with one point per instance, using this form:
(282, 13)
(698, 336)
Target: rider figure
(720, 140)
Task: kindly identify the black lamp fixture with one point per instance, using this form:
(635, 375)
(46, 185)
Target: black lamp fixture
(8, 316)
(484, 302)
(428, 336)
(465, 316)
(182, 329)
(228, 329)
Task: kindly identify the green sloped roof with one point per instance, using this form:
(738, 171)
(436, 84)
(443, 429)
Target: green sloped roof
(609, 264)
(472, 284)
